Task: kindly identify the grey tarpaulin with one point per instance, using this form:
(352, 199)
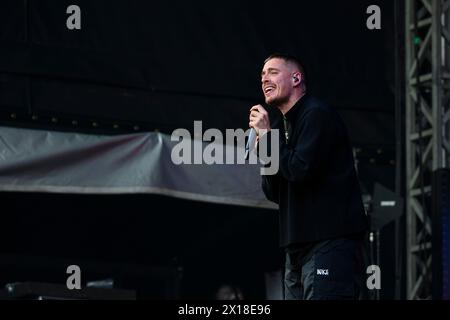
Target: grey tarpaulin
(49, 161)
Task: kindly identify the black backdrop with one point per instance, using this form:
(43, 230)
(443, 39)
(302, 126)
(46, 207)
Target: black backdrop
(162, 65)
(169, 63)
(139, 241)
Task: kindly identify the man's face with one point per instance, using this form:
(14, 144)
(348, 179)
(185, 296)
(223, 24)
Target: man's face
(276, 80)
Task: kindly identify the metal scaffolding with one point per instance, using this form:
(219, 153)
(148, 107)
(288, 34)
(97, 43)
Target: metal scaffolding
(427, 129)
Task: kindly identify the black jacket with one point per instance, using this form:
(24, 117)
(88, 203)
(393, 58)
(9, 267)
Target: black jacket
(316, 186)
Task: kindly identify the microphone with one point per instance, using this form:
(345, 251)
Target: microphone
(250, 143)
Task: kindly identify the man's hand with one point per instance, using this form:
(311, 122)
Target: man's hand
(259, 119)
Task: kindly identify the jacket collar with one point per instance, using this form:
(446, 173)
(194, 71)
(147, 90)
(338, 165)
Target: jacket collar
(291, 115)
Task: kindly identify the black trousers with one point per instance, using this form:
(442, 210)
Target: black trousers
(329, 270)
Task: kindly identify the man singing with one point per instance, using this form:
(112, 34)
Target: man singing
(321, 214)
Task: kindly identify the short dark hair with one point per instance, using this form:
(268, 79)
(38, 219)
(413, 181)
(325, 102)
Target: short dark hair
(289, 58)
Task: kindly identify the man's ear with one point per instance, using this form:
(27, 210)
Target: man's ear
(297, 78)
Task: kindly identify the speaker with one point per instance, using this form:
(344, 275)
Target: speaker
(274, 285)
(441, 234)
(54, 291)
(387, 206)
